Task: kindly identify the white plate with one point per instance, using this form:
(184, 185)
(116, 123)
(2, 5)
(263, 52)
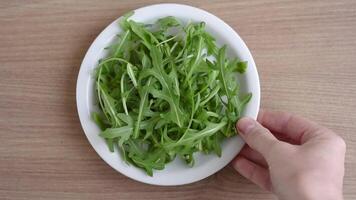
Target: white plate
(175, 173)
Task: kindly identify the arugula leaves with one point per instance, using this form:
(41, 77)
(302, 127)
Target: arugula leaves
(167, 90)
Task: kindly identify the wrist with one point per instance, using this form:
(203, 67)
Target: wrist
(310, 186)
(320, 189)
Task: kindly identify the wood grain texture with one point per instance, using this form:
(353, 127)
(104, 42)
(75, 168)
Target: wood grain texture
(305, 52)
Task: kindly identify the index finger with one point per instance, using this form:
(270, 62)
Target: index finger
(288, 125)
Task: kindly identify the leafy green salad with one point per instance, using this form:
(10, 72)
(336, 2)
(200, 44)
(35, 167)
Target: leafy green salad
(167, 90)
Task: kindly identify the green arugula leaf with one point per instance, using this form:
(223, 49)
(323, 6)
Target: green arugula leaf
(167, 90)
(168, 22)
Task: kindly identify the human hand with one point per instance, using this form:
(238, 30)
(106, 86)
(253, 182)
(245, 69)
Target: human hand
(291, 156)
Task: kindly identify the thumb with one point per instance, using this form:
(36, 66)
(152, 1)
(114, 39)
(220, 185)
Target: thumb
(256, 136)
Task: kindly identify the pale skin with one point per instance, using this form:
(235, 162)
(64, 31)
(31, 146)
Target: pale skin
(292, 157)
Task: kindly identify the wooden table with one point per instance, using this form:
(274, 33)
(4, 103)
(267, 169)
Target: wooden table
(305, 52)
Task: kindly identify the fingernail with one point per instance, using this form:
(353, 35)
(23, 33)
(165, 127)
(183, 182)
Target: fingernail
(245, 125)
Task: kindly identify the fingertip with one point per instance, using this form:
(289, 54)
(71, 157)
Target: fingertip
(252, 155)
(253, 172)
(245, 124)
(238, 163)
